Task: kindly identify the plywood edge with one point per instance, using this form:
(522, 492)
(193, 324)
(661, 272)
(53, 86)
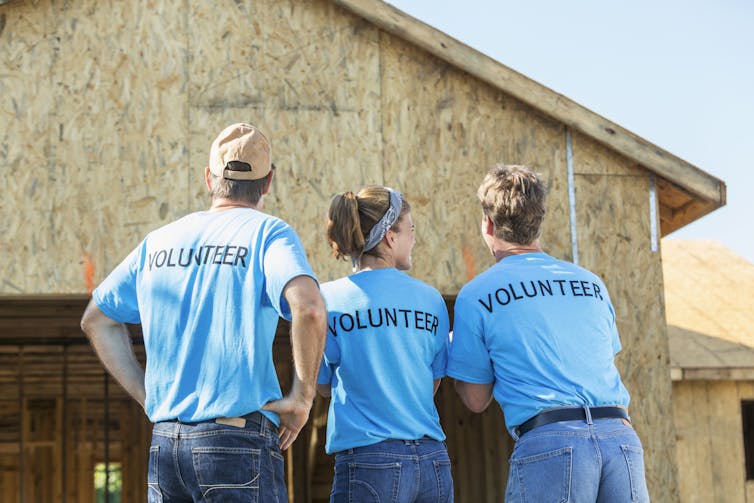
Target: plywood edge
(712, 374)
(392, 20)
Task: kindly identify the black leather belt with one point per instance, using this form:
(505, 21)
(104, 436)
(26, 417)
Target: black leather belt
(570, 414)
(239, 422)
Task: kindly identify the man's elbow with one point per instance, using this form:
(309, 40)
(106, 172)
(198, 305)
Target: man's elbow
(476, 397)
(89, 319)
(313, 313)
(476, 405)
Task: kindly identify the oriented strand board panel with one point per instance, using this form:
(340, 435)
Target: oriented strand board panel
(614, 241)
(711, 466)
(442, 131)
(123, 122)
(92, 100)
(307, 74)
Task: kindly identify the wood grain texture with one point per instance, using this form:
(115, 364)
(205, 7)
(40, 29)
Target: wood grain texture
(613, 222)
(110, 111)
(540, 97)
(711, 464)
(442, 132)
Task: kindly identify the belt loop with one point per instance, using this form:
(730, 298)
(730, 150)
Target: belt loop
(588, 415)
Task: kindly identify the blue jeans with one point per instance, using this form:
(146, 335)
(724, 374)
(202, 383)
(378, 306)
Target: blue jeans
(578, 462)
(210, 462)
(394, 471)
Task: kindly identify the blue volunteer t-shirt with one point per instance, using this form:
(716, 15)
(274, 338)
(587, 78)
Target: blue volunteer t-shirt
(207, 290)
(386, 344)
(543, 330)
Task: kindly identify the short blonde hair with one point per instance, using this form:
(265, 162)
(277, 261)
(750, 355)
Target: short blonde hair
(513, 197)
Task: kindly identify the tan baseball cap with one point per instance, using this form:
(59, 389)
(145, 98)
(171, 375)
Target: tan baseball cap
(240, 152)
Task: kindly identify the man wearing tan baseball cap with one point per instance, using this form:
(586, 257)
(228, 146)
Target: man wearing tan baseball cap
(240, 152)
(208, 289)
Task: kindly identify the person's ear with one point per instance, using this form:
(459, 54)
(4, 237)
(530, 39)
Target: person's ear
(488, 226)
(390, 237)
(207, 178)
(269, 182)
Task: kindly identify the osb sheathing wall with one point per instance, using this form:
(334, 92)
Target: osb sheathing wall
(711, 461)
(108, 110)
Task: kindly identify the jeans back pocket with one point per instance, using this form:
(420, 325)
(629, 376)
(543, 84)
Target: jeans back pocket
(541, 478)
(635, 461)
(373, 482)
(227, 473)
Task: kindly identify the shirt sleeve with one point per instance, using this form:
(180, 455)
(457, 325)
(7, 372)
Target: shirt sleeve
(330, 360)
(615, 338)
(284, 260)
(116, 295)
(440, 363)
(469, 358)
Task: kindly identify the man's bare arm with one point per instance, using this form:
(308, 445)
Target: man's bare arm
(324, 390)
(475, 396)
(112, 344)
(308, 332)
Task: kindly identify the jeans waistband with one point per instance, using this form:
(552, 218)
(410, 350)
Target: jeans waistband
(571, 414)
(255, 420)
(390, 441)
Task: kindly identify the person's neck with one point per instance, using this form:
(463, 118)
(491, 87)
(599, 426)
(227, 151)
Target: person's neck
(373, 262)
(221, 204)
(502, 249)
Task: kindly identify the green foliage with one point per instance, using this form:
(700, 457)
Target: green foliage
(113, 480)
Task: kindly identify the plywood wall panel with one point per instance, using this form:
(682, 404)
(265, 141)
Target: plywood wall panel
(614, 241)
(594, 159)
(309, 79)
(694, 446)
(710, 456)
(726, 436)
(134, 95)
(25, 139)
(110, 109)
(442, 131)
(93, 125)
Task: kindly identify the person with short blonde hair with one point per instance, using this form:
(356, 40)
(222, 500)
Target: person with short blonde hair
(384, 357)
(513, 197)
(539, 334)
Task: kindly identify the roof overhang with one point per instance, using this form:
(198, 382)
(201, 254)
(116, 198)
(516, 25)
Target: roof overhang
(696, 356)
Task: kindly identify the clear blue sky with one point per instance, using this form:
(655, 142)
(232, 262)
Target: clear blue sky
(677, 73)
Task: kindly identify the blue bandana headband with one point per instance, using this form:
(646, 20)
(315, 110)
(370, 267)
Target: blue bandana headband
(387, 221)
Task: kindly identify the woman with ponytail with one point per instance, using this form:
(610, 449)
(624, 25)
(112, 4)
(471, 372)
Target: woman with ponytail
(384, 358)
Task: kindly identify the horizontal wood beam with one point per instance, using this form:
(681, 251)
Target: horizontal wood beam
(712, 374)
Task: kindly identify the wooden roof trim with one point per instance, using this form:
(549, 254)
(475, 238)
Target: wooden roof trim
(557, 106)
(712, 374)
(673, 219)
